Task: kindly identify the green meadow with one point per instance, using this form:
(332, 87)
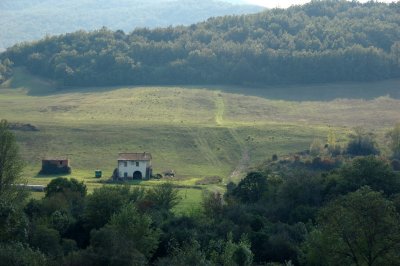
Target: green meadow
(197, 131)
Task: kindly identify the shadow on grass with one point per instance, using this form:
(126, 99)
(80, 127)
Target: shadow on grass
(52, 176)
(37, 86)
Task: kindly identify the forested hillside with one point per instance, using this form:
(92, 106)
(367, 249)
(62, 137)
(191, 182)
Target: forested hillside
(27, 20)
(324, 41)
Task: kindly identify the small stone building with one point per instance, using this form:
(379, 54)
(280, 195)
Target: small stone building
(134, 165)
(55, 166)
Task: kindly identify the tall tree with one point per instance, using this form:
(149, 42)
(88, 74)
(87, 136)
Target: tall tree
(164, 196)
(12, 219)
(11, 164)
(361, 228)
(394, 141)
(128, 239)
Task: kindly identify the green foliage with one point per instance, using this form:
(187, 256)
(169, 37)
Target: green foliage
(394, 141)
(333, 147)
(18, 254)
(47, 240)
(213, 204)
(352, 42)
(163, 197)
(64, 185)
(5, 70)
(11, 165)
(361, 228)
(64, 199)
(128, 238)
(251, 188)
(60, 221)
(299, 198)
(103, 203)
(362, 143)
(369, 171)
(33, 19)
(316, 147)
(135, 230)
(13, 222)
(235, 254)
(189, 254)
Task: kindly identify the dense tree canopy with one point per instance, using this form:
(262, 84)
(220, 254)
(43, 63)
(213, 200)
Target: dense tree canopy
(274, 216)
(323, 41)
(27, 20)
(361, 228)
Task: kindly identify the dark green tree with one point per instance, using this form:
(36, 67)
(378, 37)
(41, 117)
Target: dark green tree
(189, 254)
(163, 197)
(251, 188)
(394, 140)
(21, 255)
(368, 171)
(361, 228)
(128, 239)
(12, 195)
(103, 203)
(64, 185)
(362, 143)
(11, 165)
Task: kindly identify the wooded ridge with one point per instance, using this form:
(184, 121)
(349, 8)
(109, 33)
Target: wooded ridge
(323, 41)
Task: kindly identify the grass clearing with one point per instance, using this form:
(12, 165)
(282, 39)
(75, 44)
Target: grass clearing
(197, 131)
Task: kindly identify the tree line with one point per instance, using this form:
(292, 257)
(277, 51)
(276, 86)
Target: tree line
(323, 41)
(273, 216)
(27, 20)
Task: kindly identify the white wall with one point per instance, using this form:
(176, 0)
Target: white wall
(131, 168)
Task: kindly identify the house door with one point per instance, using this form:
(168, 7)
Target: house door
(137, 175)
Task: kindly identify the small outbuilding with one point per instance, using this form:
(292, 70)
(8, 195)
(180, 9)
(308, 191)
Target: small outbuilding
(169, 173)
(51, 166)
(134, 165)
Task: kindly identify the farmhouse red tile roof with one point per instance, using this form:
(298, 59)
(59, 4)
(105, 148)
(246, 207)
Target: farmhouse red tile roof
(137, 156)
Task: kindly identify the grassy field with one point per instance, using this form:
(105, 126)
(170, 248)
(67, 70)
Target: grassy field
(198, 132)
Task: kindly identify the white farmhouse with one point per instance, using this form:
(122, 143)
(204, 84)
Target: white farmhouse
(134, 165)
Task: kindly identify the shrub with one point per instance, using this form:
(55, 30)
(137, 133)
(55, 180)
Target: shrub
(316, 147)
(362, 144)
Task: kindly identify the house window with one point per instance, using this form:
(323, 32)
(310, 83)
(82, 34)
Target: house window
(137, 163)
(125, 174)
(125, 164)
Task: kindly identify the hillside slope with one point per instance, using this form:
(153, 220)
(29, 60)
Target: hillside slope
(197, 131)
(27, 20)
(324, 41)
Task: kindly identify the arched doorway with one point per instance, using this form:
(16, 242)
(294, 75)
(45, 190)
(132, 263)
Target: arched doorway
(137, 175)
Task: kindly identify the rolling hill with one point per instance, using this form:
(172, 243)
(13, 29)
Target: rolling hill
(197, 131)
(323, 41)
